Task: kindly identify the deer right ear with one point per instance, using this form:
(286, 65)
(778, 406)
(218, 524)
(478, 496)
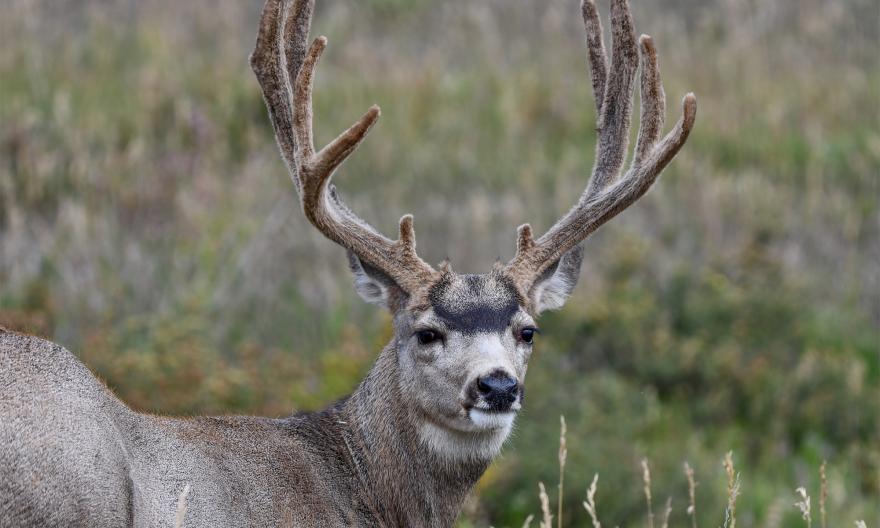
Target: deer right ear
(373, 285)
(552, 289)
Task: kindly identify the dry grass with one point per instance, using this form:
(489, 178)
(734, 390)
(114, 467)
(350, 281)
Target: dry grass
(646, 479)
(692, 494)
(823, 494)
(803, 504)
(563, 454)
(546, 516)
(590, 503)
(667, 512)
(734, 490)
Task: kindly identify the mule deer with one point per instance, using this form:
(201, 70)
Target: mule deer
(408, 445)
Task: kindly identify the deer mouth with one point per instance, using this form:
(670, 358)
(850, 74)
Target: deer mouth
(511, 408)
(492, 419)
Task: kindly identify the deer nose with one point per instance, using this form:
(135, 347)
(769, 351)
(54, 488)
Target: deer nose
(498, 390)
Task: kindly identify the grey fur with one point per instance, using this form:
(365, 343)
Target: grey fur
(72, 454)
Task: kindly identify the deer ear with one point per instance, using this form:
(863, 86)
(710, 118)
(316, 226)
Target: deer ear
(553, 287)
(373, 285)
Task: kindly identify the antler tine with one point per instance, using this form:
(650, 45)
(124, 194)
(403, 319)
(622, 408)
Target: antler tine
(267, 65)
(285, 71)
(653, 110)
(595, 55)
(604, 198)
(616, 109)
(330, 157)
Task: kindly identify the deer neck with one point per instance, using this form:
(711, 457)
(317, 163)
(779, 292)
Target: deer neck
(404, 480)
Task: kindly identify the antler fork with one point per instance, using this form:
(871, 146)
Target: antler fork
(605, 196)
(285, 71)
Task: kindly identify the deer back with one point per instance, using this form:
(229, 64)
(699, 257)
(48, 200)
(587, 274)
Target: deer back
(97, 463)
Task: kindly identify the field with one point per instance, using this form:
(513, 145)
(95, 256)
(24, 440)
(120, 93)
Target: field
(147, 223)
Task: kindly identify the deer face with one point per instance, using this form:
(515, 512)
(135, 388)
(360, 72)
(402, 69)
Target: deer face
(464, 356)
(463, 347)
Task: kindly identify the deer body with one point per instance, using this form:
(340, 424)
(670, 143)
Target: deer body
(74, 455)
(408, 445)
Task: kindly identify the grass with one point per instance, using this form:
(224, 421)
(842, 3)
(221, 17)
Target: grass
(727, 520)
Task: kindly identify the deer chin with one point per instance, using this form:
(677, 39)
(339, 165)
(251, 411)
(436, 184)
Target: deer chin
(487, 420)
(476, 436)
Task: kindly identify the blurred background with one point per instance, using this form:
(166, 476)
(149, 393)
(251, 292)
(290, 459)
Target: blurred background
(148, 224)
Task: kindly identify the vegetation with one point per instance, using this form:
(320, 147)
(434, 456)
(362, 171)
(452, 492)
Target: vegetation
(146, 223)
(734, 489)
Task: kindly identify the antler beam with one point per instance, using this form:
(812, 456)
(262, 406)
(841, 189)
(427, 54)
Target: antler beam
(604, 197)
(285, 71)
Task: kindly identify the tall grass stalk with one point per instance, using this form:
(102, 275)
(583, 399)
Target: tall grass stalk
(667, 512)
(823, 494)
(692, 494)
(563, 453)
(732, 491)
(590, 503)
(803, 504)
(547, 521)
(646, 477)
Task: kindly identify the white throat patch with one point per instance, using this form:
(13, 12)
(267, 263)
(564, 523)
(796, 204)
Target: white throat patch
(484, 443)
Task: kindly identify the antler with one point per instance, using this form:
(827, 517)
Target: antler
(285, 71)
(604, 197)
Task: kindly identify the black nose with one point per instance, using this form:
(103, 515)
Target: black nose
(498, 390)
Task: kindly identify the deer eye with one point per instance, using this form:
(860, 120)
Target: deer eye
(528, 334)
(427, 337)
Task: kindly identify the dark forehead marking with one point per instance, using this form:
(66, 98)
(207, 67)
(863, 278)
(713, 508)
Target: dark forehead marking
(475, 303)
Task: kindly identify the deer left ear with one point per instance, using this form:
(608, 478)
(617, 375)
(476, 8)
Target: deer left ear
(553, 287)
(374, 286)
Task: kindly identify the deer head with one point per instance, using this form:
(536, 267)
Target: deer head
(462, 342)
